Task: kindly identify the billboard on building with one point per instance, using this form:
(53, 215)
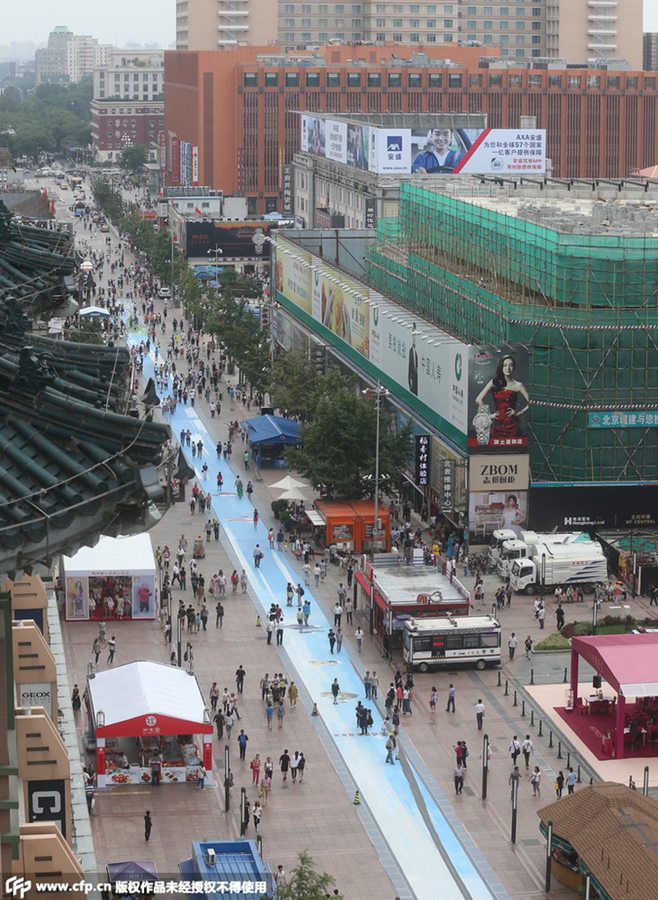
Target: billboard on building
(435, 149)
(424, 361)
(498, 398)
(234, 238)
(490, 510)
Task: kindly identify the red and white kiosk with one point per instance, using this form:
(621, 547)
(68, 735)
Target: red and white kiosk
(163, 708)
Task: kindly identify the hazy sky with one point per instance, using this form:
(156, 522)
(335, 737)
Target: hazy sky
(111, 21)
(119, 21)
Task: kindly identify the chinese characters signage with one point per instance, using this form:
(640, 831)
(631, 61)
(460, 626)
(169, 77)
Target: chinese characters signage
(448, 473)
(629, 419)
(422, 460)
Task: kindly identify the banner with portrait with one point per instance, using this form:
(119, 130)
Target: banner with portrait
(498, 399)
(491, 510)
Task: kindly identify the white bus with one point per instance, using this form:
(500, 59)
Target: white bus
(437, 643)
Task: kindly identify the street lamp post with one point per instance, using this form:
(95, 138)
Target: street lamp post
(216, 252)
(379, 393)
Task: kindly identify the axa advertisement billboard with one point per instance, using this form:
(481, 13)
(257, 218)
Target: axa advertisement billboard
(425, 362)
(437, 148)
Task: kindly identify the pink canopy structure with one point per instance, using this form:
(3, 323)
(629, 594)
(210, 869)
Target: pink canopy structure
(629, 664)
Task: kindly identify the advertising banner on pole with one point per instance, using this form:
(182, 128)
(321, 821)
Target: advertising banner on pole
(498, 398)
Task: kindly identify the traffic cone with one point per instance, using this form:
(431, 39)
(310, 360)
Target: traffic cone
(357, 799)
(314, 711)
(259, 624)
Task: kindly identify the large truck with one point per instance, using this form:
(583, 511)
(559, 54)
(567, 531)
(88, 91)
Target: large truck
(551, 565)
(523, 548)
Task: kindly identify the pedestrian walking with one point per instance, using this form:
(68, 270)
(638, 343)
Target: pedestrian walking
(269, 713)
(96, 649)
(528, 647)
(559, 783)
(239, 678)
(284, 764)
(479, 713)
(514, 777)
(112, 647)
(89, 795)
(374, 685)
(201, 778)
(293, 694)
(358, 636)
(390, 747)
(229, 721)
(242, 743)
(269, 627)
(571, 780)
(339, 639)
(459, 778)
(349, 608)
(254, 765)
(527, 748)
(257, 813)
(279, 632)
(514, 749)
(332, 639)
(512, 645)
(452, 691)
(214, 696)
(434, 696)
(148, 825)
(535, 781)
(559, 615)
(280, 714)
(258, 555)
(219, 614)
(335, 690)
(366, 684)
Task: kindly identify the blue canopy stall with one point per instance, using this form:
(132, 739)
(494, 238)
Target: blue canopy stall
(269, 436)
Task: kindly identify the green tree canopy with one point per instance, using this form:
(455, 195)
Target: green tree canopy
(338, 446)
(51, 119)
(132, 159)
(304, 883)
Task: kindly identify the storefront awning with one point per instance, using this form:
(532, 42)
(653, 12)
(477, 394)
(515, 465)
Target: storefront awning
(314, 518)
(147, 699)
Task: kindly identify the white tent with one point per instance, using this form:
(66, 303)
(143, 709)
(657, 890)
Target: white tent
(123, 567)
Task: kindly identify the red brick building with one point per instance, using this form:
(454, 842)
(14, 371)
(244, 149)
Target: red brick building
(119, 123)
(231, 122)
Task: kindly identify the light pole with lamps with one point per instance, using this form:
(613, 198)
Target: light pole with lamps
(379, 393)
(216, 252)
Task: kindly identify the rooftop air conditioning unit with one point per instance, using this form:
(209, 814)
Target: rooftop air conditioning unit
(211, 856)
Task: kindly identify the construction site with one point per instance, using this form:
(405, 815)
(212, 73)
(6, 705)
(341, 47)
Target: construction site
(568, 269)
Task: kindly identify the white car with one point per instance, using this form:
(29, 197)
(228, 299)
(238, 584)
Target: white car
(164, 293)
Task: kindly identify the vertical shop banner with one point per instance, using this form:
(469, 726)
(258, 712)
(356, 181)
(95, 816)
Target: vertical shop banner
(371, 213)
(77, 599)
(447, 486)
(498, 398)
(335, 141)
(288, 190)
(292, 277)
(195, 165)
(143, 597)
(175, 160)
(422, 460)
(162, 146)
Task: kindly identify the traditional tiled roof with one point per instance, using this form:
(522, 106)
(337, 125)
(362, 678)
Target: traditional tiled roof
(614, 831)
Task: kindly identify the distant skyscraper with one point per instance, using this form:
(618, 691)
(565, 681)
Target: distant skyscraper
(69, 57)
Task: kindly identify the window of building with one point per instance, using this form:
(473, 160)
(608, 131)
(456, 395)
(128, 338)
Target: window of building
(536, 26)
(340, 23)
(487, 11)
(292, 79)
(495, 79)
(534, 81)
(374, 79)
(447, 23)
(394, 79)
(354, 79)
(397, 23)
(381, 7)
(520, 54)
(398, 8)
(323, 23)
(631, 81)
(356, 23)
(271, 79)
(289, 36)
(431, 23)
(339, 35)
(289, 23)
(414, 23)
(487, 24)
(323, 8)
(471, 25)
(471, 11)
(520, 11)
(520, 39)
(536, 12)
(397, 37)
(614, 81)
(488, 38)
(432, 8)
(650, 83)
(536, 39)
(520, 26)
(434, 80)
(356, 8)
(593, 81)
(515, 81)
(415, 80)
(312, 79)
(503, 25)
(250, 79)
(536, 53)
(454, 81)
(333, 79)
(447, 38)
(504, 11)
(475, 80)
(381, 23)
(573, 81)
(555, 81)
(306, 7)
(289, 7)
(306, 23)
(381, 37)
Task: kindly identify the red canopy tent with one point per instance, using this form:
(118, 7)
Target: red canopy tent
(628, 662)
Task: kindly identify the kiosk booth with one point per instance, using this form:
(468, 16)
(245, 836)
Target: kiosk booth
(349, 525)
(151, 725)
(113, 581)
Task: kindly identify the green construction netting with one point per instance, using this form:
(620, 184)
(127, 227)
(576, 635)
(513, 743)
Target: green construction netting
(585, 305)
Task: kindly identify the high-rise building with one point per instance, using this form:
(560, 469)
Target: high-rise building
(211, 24)
(69, 57)
(599, 123)
(578, 31)
(650, 51)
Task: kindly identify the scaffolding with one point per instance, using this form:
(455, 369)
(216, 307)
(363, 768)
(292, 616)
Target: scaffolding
(573, 278)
